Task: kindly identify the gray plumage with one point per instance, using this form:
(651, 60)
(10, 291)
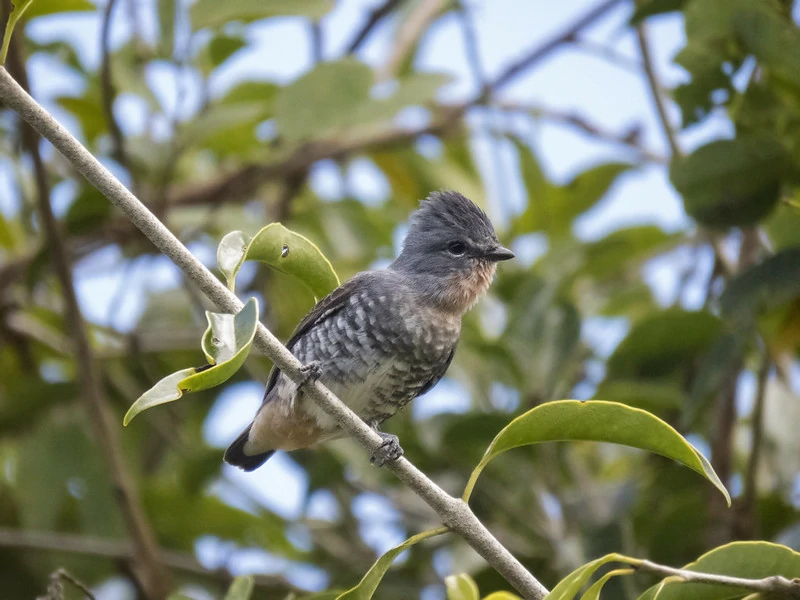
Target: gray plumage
(383, 337)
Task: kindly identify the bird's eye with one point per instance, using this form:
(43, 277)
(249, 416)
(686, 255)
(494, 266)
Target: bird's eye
(457, 248)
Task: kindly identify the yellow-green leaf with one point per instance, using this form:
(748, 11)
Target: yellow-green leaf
(502, 596)
(593, 593)
(749, 560)
(226, 344)
(369, 583)
(461, 587)
(18, 8)
(281, 249)
(213, 13)
(568, 587)
(241, 588)
(598, 421)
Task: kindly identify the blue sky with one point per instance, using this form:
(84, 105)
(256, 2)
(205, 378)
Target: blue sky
(570, 80)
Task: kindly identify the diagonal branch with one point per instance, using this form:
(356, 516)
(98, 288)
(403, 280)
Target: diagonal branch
(655, 90)
(454, 513)
(107, 91)
(153, 577)
(375, 17)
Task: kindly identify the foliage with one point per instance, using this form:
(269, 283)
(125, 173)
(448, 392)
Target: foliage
(685, 337)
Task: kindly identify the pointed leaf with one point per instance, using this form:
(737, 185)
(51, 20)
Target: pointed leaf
(281, 249)
(241, 588)
(593, 593)
(598, 421)
(367, 586)
(167, 390)
(749, 560)
(461, 587)
(226, 344)
(568, 587)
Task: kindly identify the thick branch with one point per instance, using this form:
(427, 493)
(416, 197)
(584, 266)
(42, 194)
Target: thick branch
(454, 513)
(769, 585)
(151, 574)
(119, 550)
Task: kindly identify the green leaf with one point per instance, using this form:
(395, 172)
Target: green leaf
(18, 8)
(731, 183)
(41, 8)
(461, 587)
(219, 119)
(213, 13)
(598, 421)
(222, 47)
(322, 100)
(226, 344)
(281, 249)
(653, 396)
(763, 287)
(749, 560)
(773, 40)
(88, 212)
(662, 343)
(89, 113)
(241, 588)
(593, 593)
(369, 583)
(568, 587)
(654, 7)
(551, 208)
(502, 596)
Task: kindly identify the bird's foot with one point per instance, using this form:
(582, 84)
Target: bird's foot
(388, 451)
(309, 373)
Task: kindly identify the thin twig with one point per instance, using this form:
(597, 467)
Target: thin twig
(54, 591)
(630, 139)
(118, 550)
(655, 90)
(769, 585)
(153, 577)
(567, 35)
(747, 522)
(375, 17)
(454, 513)
(107, 91)
(408, 34)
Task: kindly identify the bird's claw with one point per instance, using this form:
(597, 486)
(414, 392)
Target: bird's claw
(388, 451)
(309, 373)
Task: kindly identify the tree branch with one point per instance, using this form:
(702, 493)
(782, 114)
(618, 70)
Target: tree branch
(788, 588)
(567, 35)
(655, 90)
(123, 551)
(375, 17)
(454, 513)
(150, 572)
(107, 91)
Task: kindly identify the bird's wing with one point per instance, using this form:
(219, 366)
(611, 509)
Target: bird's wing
(325, 308)
(438, 374)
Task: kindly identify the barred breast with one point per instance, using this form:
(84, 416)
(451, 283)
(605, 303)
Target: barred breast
(377, 353)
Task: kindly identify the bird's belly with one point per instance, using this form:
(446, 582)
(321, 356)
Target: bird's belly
(374, 394)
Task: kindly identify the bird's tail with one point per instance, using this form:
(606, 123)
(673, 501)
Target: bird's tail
(235, 455)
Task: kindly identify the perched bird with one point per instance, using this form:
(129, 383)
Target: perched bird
(383, 337)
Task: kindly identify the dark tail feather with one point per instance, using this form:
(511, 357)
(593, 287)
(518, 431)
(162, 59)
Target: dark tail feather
(235, 455)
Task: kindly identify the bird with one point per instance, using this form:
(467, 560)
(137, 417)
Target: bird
(383, 337)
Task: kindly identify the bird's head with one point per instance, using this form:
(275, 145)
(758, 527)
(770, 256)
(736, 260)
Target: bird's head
(453, 248)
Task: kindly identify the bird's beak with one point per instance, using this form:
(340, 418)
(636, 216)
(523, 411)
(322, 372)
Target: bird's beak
(499, 253)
